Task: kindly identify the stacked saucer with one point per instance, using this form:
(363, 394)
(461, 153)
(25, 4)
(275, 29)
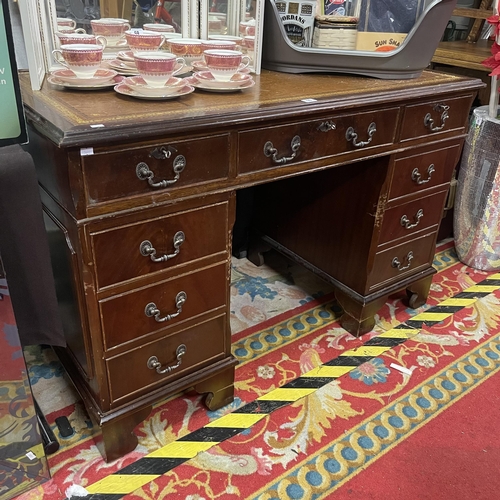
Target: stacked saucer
(65, 78)
(124, 63)
(135, 86)
(204, 80)
(202, 66)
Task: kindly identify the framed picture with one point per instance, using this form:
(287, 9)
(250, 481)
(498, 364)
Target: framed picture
(235, 18)
(12, 125)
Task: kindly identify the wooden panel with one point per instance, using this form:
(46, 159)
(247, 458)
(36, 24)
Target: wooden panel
(423, 170)
(385, 270)
(117, 251)
(414, 118)
(418, 215)
(124, 318)
(315, 143)
(205, 343)
(112, 175)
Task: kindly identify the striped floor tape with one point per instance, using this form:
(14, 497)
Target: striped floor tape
(163, 460)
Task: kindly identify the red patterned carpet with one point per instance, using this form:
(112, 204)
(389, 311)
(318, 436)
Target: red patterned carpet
(415, 421)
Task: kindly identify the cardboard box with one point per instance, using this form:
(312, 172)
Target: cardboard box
(379, 42)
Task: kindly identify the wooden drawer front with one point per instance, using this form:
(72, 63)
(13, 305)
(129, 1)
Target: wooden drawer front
(124, 317)
(116, 174)
(204, 343)
(435, 117)
(409, 218)
(420, 171)
(402, 260)
(256, 146)
(118, 254)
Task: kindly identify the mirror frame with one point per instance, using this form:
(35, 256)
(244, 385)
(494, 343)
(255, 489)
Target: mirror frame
(39, 20)
(239, 14)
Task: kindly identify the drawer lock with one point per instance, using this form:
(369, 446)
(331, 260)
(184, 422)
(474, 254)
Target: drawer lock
(151, 309)
(405, 222)
(429, 121)
(416, 176)
(270, 150)
(399, 266)
(154, 364)
(351, 135)
(144, 173)
(146, 248)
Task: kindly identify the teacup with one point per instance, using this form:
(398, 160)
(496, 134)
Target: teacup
(156, 68)
(71, 38)
(113, 29)
(188, 48)
(237, 39)
(223, 64)
(81, 58)
(161, 28)
(65, 23)
(140, 40)
(218, 44)
(246, 26)
(249, 44)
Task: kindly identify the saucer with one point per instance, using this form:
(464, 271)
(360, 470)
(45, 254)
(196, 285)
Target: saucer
(207, 79)
(100, 76)
(62, 84)
(202, 66)
(138, 84)
(128, 90)
(123, 68)
(197, 84)
(126, 55)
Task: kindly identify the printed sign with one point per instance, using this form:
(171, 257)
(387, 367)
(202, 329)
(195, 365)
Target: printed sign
(12, 123)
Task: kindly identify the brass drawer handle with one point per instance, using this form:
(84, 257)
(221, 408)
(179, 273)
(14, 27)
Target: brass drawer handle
(399, 266)
(327, 126)
(154, 364)
(151, 309)
(429, 122)
(144, 173)
(351, 135)
(405, 222)
(416, 176)
(146, 248)
(270, 150)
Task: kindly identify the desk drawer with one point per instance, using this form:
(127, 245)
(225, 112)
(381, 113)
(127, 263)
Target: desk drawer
(409, 218)
(402, 260)
(305, 141)
(435, 117)
(126, 172)
(122, 254)
(423, 170)
(131, 316)
(204, 343)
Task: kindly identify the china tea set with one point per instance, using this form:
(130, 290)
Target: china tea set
(152, 62)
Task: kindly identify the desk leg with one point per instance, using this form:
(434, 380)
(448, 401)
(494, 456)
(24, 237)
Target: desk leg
(220, 389)
(358, 318)
(418, 292)
(116, 437)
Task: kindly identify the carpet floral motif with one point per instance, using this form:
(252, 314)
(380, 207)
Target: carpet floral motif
(284, 326)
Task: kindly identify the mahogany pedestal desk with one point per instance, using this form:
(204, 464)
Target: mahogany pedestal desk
(350, 174)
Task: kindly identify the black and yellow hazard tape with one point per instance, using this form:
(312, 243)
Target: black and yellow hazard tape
(163, 460)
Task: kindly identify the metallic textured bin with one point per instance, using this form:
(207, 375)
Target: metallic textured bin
(477, 207)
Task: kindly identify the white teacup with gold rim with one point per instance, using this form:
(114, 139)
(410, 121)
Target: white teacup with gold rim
(81, 58)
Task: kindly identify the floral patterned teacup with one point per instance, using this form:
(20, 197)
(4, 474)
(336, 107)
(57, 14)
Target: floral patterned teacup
(223, 64)
(81, 58)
